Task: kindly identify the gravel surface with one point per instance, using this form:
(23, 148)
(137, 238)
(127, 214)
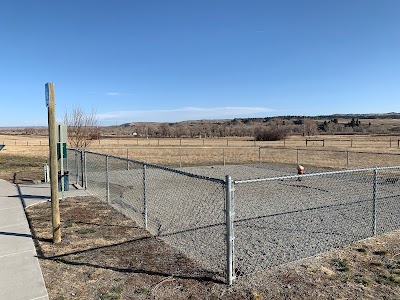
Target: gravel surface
(275, 221)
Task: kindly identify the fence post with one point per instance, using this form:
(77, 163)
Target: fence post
(82, 170)
(375, 191)
(259, 154)
(223, 155)
(144, 196)
(180, 157)
(107, 181)
(76, 167)
(85, 169)
(229, 215)
(297, 154)
(127, 159)
(347, 159)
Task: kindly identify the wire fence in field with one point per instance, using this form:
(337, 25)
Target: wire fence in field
(235, 226)
(314, 158)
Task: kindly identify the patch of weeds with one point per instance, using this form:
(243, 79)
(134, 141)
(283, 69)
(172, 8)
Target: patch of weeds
(376, 263)
(362, 280)
(361, 250)
(114, 294)
(380, 252)
(396, 271)
(86, 231)
(68, 225)
(143, 291)
(341, 265)
(59, 298)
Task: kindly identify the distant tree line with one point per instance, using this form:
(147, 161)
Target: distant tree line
(84, 127)
(266, 129)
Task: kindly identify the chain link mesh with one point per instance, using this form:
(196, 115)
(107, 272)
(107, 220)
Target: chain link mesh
(279, 220)
(126, 188)
(95, 174)
(185, 210)
(188, 212)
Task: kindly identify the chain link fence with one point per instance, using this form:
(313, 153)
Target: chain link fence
(237, 227)
(185, 210)
(282, 219)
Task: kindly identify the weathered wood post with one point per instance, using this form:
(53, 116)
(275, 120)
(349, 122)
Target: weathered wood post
(55, 208)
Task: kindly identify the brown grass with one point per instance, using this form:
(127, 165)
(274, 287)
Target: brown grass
(187, 152)
(103, 255)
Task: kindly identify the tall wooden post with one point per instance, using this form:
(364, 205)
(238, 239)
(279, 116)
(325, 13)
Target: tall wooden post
(55, 209)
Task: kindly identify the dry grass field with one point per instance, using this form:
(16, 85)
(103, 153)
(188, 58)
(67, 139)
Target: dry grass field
(217, 151)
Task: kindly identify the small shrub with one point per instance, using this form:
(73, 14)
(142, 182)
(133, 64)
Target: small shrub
(270, 133)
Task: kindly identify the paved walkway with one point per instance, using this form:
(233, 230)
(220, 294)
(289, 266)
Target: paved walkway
(20, 274)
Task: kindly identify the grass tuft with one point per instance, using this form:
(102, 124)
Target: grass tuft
(86, 231)
(341, 265)
(380, 252)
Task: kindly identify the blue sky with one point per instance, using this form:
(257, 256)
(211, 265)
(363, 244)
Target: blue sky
(177, 60)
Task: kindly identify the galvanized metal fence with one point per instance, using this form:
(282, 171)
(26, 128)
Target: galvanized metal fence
(186, 210)
(282, 219)
(236, 227)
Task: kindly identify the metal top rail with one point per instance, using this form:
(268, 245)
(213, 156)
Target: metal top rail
(313, 174)
(155, 166)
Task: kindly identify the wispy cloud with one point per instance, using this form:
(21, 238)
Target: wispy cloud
(113, 94)
(182, 114)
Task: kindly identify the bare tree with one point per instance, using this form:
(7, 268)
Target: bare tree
(82, 128)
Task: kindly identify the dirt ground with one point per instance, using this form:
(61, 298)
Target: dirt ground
(104, 255)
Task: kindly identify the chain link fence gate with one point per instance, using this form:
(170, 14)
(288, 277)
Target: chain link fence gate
(238, 227)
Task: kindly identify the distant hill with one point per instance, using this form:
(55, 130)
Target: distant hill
(391, 115)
